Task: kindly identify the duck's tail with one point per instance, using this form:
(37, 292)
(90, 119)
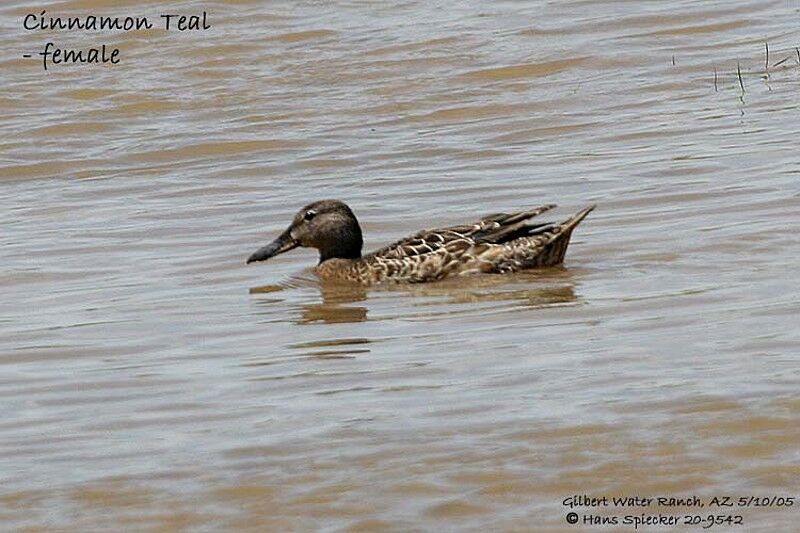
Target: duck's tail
(546, 247)
(556, 249)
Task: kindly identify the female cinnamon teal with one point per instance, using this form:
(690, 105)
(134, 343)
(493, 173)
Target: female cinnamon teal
(498, 243)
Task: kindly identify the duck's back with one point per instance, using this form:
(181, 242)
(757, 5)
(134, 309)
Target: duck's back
(497, 243)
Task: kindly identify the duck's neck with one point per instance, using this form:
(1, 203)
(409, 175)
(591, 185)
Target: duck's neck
(339, 253)
(346, 245)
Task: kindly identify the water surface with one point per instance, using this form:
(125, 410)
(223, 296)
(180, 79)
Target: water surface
(149, 379)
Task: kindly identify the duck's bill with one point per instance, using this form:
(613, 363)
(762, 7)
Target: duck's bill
(284, 243)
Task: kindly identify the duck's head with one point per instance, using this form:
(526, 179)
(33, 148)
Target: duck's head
(328, 225)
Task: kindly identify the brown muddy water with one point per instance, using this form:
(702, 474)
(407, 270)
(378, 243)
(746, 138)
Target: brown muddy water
(149, 380)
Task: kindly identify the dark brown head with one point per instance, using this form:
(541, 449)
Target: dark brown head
(328, 225)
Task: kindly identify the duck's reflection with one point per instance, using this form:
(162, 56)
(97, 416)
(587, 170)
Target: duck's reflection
(498, 293)
(542, 288)
(336, 307)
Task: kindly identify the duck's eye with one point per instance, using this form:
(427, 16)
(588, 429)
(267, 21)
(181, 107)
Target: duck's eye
(310, 214)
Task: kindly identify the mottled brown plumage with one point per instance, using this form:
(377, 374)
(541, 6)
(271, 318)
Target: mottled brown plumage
(498, 243)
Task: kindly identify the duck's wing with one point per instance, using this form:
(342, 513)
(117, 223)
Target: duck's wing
(496, 228)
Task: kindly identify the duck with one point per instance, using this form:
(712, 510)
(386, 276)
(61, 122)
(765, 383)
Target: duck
(499, 243)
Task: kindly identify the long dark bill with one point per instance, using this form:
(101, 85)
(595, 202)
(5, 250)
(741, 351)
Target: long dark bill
(283, 243)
